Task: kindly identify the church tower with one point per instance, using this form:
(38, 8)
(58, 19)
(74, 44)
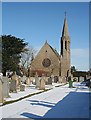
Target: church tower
(65, 50)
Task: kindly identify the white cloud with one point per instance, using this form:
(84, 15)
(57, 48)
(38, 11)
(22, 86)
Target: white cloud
(81, 53)
(80, 58)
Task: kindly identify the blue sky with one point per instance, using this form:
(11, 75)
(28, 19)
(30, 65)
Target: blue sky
(38, 22)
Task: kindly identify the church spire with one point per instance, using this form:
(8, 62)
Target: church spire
(65, 28)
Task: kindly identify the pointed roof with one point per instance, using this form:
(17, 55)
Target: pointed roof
(54, 50)
(32, 57)
(65, 28)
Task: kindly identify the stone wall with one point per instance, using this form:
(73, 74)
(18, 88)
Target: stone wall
(46, 52)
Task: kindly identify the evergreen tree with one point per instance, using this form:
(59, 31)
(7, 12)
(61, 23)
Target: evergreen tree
(12, 48)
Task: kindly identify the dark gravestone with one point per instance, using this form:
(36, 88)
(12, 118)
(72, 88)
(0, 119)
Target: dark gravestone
(55, 79)
(50, 80)
(22, 87)
(69, 78)
(13, 86)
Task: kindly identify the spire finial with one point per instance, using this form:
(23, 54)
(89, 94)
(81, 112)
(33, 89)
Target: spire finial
(45, 41)
(65, 13)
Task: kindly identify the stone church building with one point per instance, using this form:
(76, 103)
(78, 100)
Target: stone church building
(49, 62)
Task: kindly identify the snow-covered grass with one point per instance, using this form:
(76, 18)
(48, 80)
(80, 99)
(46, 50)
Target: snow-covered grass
(59, 102)
(29, 90)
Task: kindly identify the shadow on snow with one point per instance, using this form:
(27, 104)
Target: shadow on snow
(74, 105)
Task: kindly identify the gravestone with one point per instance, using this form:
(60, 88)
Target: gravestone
(64, 79)
(42, 84)
(81, 78)
(13, 87)
(22, 87)
(28, 80)
(46, 80)
(5, 87)
(69, 78)
(60, 79)
(37, 81)
(1, 91)
(56, 79)
(15, 77)
(50, 80)
(24, 79)
(20, 80)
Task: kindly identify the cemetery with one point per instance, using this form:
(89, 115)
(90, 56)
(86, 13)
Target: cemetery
(43, 83)
(16, 87)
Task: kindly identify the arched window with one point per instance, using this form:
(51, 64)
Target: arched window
(66, 45)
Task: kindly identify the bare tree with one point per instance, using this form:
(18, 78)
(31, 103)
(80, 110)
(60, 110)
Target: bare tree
(27, 56)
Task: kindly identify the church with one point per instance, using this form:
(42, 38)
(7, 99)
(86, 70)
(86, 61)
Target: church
(49, 62)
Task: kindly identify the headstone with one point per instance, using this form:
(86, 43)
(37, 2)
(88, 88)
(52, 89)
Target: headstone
(5, 87)
(28, 80)
(50, 80)
(64, 79)
(42, 84)
(52, 76)
(20, 80)
(37, 81)
(1, 91)
(13, 87)
(81, 78)
(46, 80)
(22, 87)
(15, 77)
(60, 79)
(69, 78)
(24, 79)
(56, 79)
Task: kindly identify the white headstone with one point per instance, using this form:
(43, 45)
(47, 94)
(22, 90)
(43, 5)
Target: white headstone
(28, 80)
(81, 78)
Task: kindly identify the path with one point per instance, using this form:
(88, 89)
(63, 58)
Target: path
(60, 102)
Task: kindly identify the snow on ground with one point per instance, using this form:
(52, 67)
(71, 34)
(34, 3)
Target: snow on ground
(0, 113)
(59, 102)
(30, 89)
